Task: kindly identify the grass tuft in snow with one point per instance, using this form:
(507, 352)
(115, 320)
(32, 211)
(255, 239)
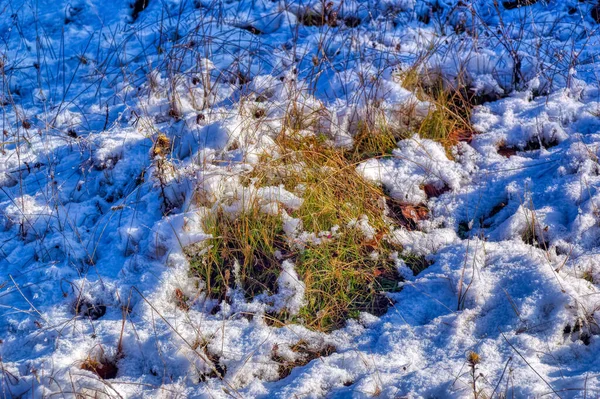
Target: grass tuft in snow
(345, 263)
(342, 279)
(374, 140)
(415, 263)
(243, 246)
(533, 234)
(332, 190)
(451, 104)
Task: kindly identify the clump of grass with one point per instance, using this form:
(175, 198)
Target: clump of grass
(333, 192)
(448, 120)
(243, 247)
(300, 117)
(449, 116)
(532, 234)
(341, 277)
(374, 140)
(412, 80)
(342, 280)
(345, 271)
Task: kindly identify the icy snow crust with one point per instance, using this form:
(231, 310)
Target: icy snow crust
(82, 210)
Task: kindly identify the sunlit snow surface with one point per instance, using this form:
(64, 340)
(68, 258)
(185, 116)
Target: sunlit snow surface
(82, 211)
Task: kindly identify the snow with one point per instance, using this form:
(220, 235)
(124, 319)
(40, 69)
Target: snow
(414, 163)
(85, 218)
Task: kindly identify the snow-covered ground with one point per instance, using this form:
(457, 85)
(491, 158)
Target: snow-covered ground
(92, 224)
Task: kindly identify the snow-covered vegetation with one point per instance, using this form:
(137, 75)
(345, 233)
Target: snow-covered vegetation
(300, 199)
